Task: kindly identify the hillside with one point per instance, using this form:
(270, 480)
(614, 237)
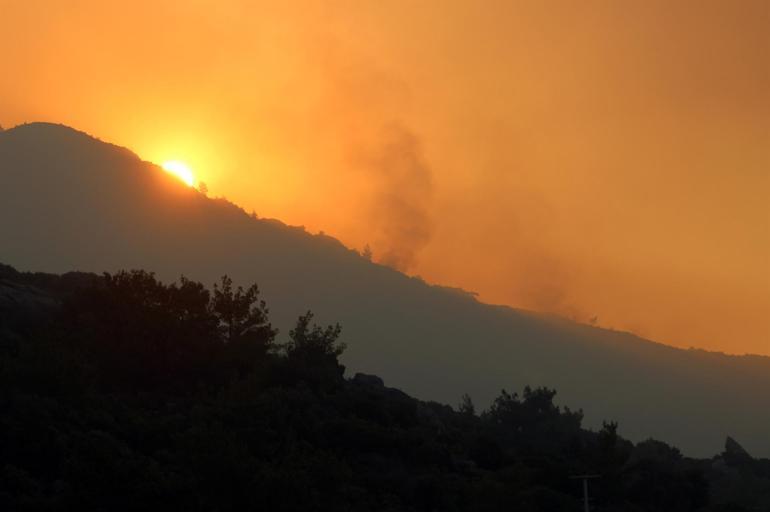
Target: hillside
(71, 202)
(125, 393)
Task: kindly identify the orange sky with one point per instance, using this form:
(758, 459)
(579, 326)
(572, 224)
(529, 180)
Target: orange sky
(596, 159)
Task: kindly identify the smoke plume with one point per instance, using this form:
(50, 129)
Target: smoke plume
(400, 203)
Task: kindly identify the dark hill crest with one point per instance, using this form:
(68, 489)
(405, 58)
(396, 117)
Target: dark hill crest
(71, 202)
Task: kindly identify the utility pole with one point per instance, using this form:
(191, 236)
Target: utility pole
(585, 479)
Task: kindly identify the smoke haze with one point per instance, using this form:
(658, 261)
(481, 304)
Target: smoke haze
(600, 160)
(400, 210)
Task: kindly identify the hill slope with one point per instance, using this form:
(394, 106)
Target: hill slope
(174, 408)
(71, 202)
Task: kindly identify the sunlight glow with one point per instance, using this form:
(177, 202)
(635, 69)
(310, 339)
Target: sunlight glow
(181, 170)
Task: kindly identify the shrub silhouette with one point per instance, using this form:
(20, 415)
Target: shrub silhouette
(312, 352)
(123, 393)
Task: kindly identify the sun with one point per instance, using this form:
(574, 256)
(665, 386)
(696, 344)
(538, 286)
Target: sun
(181, 170)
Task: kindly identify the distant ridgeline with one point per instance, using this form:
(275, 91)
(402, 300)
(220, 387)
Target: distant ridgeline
(72, 202)
(120, 392)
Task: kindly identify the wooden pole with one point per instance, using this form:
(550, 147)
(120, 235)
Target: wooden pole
(586, 500)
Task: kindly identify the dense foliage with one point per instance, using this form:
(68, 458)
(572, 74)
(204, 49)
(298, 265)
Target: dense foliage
(123, 393)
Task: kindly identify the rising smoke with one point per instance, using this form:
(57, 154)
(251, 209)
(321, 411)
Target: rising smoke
(400, 204)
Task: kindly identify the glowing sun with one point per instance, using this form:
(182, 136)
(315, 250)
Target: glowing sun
(181, 170)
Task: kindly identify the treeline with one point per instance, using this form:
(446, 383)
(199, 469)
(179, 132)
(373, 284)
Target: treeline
(120, 392)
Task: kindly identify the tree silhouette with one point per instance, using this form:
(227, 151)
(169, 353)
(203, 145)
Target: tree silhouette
(367, 253)
(243, 326)
(313, 351)
(314, 343)
(147, 333)
(466, 405)
(241, 314)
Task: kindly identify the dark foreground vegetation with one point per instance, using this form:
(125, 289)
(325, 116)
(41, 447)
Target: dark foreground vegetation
(122, 393)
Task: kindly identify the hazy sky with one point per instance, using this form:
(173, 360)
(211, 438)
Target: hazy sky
(604, 160)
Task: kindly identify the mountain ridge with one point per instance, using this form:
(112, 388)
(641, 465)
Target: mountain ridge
(117, 211)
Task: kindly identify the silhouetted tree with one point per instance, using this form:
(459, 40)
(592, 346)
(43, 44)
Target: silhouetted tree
(314, 343)
(533, 423)
(659, 478)
(313, 351)
(242, 324)
(466, 405)
(241, 314)
(146, 332)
